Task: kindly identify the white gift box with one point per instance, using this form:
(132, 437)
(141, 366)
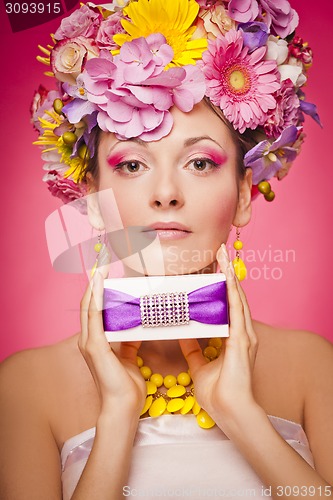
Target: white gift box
(164, 285)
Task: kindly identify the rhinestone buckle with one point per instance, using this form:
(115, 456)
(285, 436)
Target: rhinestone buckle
(164, 309)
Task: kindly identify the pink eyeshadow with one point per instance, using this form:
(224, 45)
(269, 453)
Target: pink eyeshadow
(218, 158)
(115, 159)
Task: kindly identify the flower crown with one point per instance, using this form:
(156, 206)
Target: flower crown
(122, 66)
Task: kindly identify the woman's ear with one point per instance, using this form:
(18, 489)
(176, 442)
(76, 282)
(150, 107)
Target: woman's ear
(94, 214)
(244, 207)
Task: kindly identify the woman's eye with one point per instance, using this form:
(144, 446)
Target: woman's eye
(202, 165)
(130, 167)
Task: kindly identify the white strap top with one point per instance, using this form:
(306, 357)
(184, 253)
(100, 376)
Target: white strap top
(172, 456)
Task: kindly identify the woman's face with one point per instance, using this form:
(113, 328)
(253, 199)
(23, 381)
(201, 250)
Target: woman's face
(177, 196)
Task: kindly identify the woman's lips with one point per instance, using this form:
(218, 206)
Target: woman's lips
(167, 231)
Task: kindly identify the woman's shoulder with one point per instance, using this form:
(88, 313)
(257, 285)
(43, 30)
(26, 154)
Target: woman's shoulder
(51, 382)
(302, 343)
(299, 358)
(291, 366)
(27, 364)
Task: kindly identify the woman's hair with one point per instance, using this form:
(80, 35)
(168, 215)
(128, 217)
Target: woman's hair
(243, 142)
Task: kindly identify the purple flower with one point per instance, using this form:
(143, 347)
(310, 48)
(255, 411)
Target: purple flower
(79, 107)
(310, 109)
(109, 27)
(255, 34)
(266, 158)
(82, 22)
(243, 11)
(286, 112)
(279, 15)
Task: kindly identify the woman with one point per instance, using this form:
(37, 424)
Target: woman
(157, 177)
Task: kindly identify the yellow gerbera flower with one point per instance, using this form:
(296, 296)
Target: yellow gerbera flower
(53, 142)
(173, 19)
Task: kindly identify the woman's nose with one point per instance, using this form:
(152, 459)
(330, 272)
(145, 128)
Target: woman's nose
(167, 192)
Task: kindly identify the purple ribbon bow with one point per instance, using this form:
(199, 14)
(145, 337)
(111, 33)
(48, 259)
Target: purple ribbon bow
(206, 305)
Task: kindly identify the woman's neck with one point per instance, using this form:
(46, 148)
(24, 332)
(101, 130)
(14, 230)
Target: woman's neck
(165, 356)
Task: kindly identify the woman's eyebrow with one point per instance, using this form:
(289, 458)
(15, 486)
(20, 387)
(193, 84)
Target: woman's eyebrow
(194, 140)
(136, 140)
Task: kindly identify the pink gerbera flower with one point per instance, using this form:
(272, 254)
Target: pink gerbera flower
(241, 84)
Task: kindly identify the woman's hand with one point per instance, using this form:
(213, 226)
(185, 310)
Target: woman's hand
(223, 387)
(119, 382)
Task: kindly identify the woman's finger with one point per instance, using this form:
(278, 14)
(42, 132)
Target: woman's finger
(84, 315)
(236, 308)
(129, 351)
(103, 267)
(248, 321)
(192, 353)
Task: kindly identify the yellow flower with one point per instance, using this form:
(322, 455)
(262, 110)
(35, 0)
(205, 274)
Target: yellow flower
(173, 19)
(53, 142)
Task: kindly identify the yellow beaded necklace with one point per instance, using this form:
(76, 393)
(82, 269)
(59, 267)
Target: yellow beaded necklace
(179, 396)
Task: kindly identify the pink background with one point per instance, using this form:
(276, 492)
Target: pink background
(41, 306)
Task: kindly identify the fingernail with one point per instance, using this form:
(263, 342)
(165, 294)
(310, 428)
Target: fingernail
(225, 251)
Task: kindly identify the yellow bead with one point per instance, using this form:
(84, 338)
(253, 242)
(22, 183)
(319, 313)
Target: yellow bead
(151, 387)
(58, 105)
(240, 269)
(184, 379)
(145, 372)
(157, 379)
(98, 247)
(169, 381)
(83, 152)
(210, 352)
(188, 405)
(215, 342)
(204, 420)
(264, 187)
(175, 404)
(139, 361)
(270, 196)
(69, 138)
(147, 405)
(158, 407)
(196, 407)
(176, 391)
(238, 245)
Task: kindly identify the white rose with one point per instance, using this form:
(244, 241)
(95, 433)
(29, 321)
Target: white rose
(69, 56)
(216, 21)
(277, 50)
(294, 71)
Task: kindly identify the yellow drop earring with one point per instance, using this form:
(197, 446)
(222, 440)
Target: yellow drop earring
(238, 263)
(97, 248)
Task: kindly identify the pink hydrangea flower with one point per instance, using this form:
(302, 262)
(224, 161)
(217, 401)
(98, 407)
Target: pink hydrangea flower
(109, 27)
(134, 91)
(241, 84)
(82, 22)
(286, 112)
